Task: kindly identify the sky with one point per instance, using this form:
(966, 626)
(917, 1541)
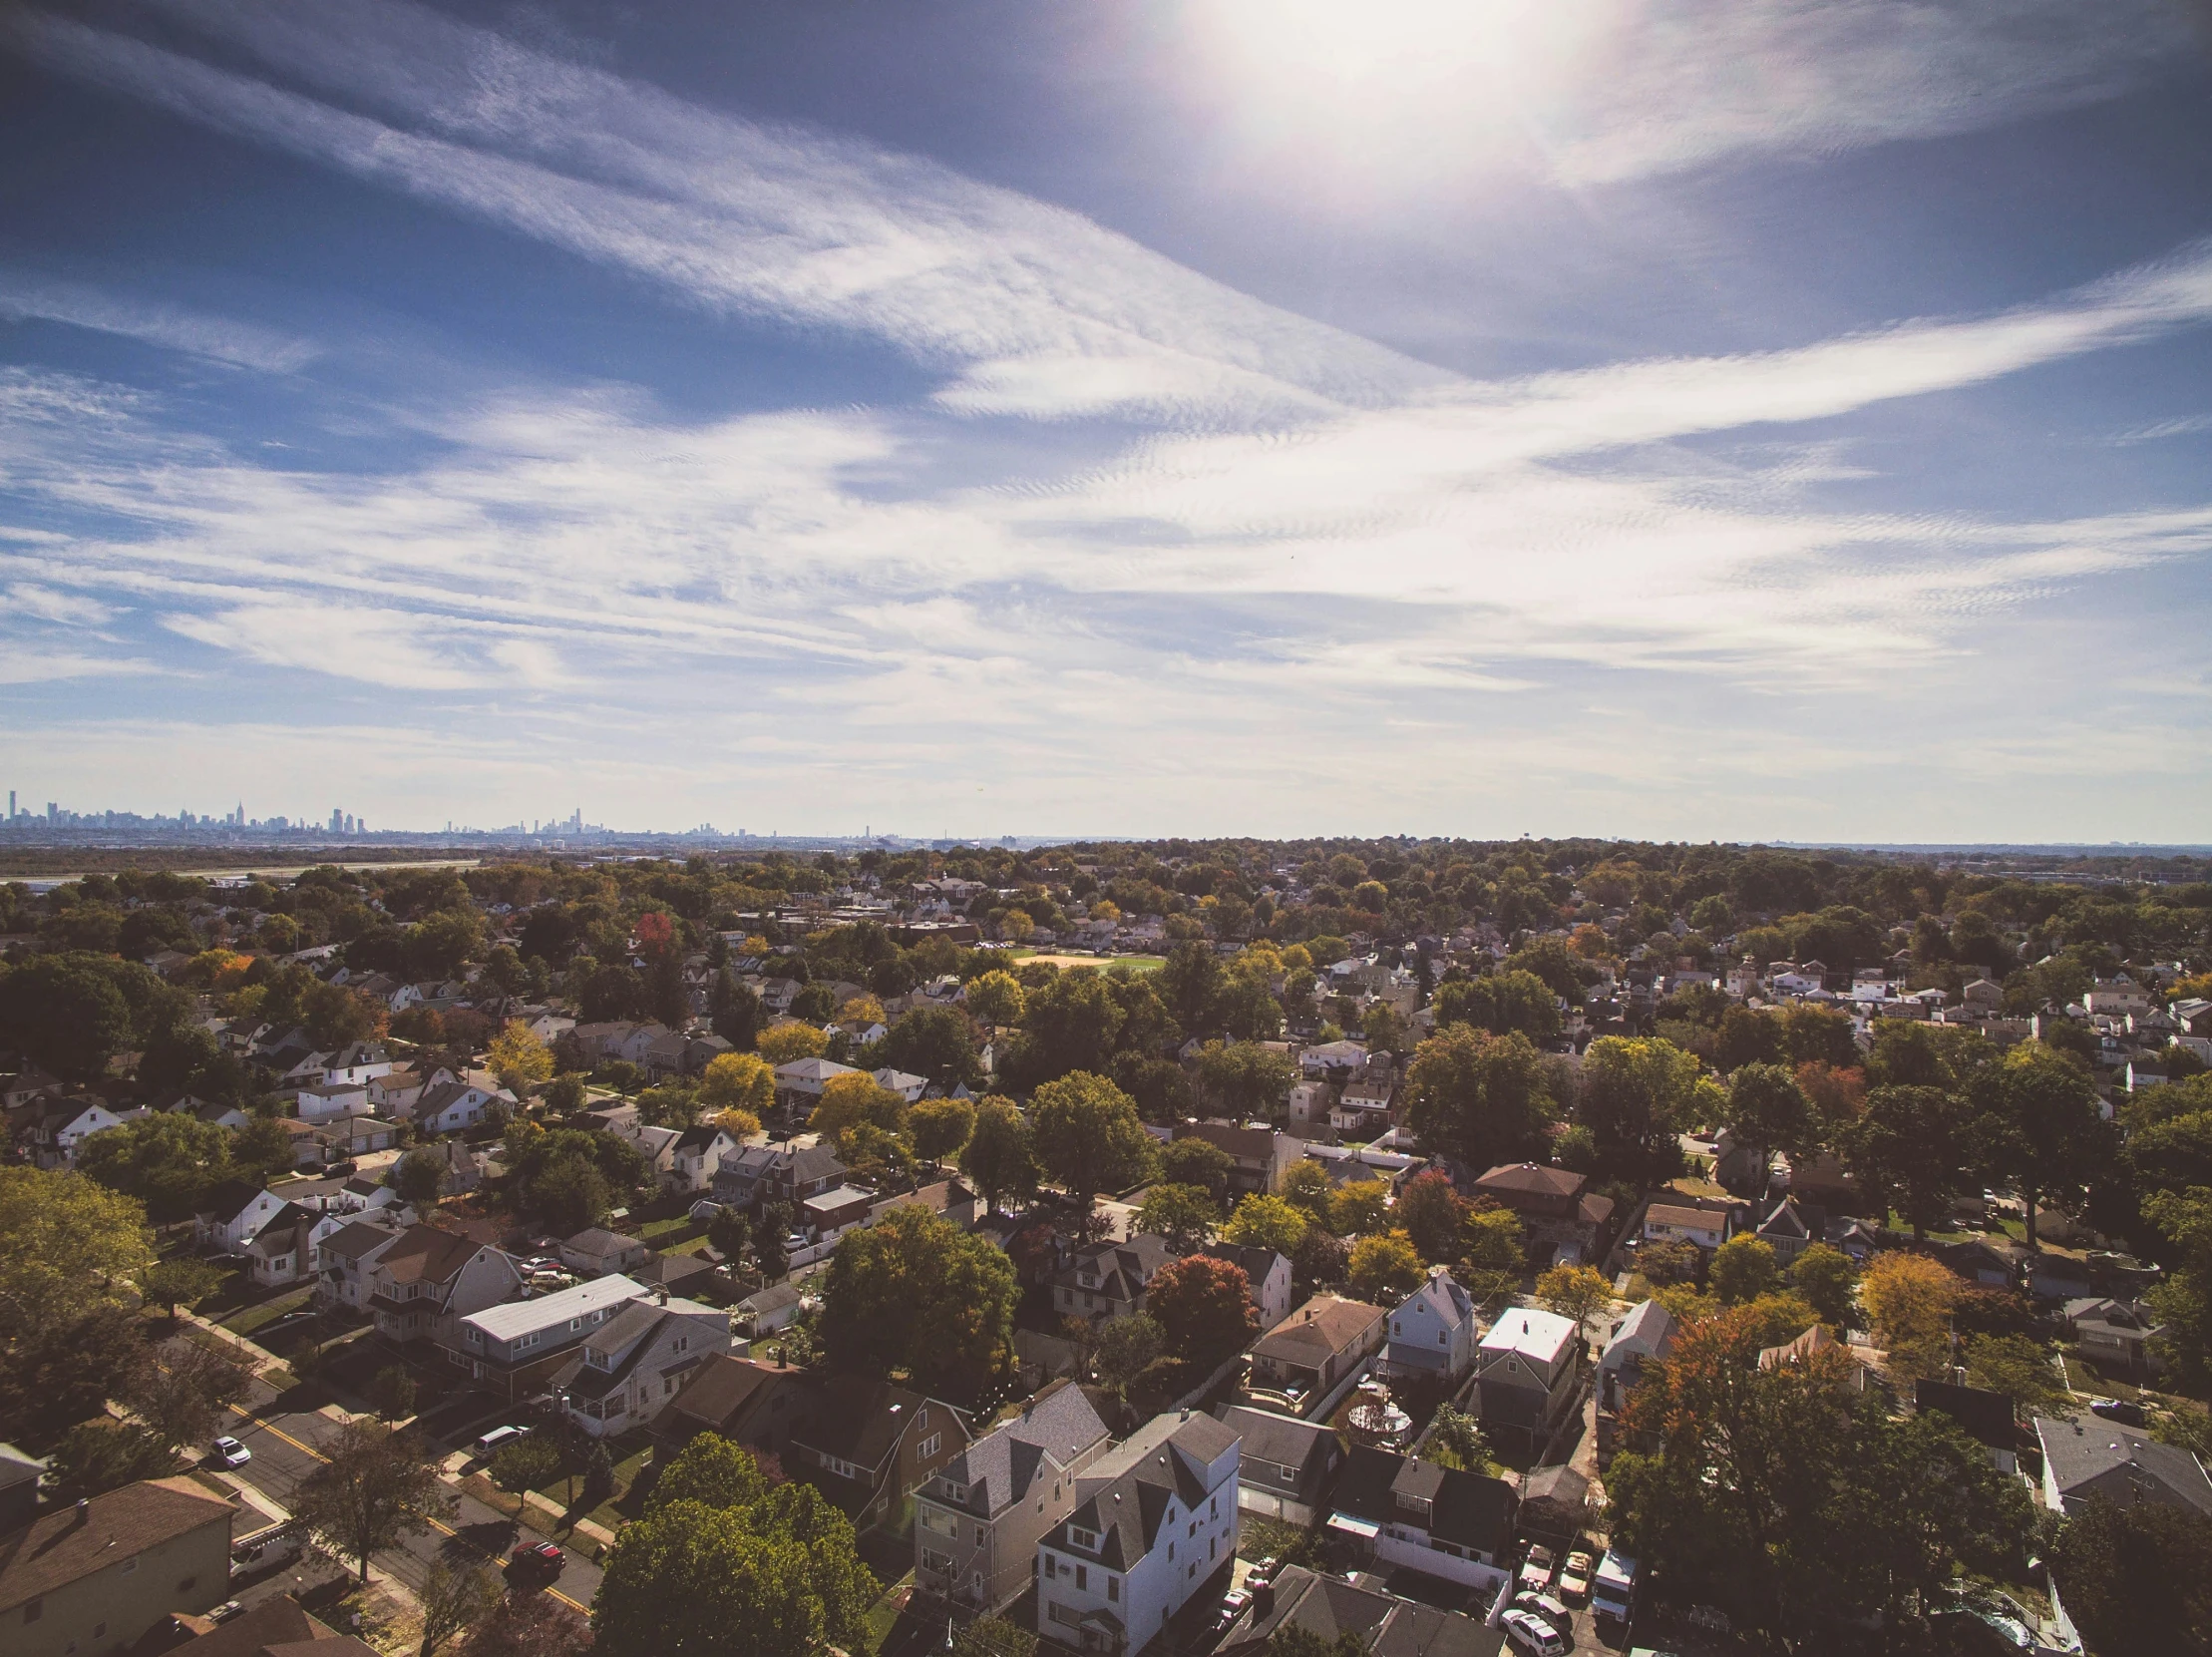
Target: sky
(1682, 419)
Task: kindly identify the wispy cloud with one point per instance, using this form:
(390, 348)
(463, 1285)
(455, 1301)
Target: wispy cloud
(25, 295)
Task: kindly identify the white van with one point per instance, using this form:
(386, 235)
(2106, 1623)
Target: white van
(497, 1436)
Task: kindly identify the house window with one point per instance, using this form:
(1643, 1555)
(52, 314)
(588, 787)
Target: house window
(1083, 1578)
(1443, 1338)
(1113, 1587)
(1082, 1539)
(931, 1445)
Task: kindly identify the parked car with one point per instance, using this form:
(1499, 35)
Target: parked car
(1574, 1581)
(536, 1562)
(1545, 1606)
(2118, 1410)
(1233, 1607)
(497, 1436)
(340, 1170)
(265, 1549)
(1261, 1572)
(231, 1454)
(1533, 1633)
(1536, 1570)
(226, 1611)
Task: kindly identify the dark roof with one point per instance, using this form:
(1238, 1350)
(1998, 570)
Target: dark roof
(1142, 1477)
(71, 1544)
(1246, 1144)
(274, 1622)
(1255, 1263)
(1279, 1439)
(228, 1200)
(2095, 1457)
(1985, 1416)
(861, 1420)
(725, 1387)
(1534, 1179)
(1324, 1325)
(1475, 1511)
(1385, 1624)
(1000, 1467)
(673, 1271)
(599, 1242)
(424, 1254)
(283, 1228)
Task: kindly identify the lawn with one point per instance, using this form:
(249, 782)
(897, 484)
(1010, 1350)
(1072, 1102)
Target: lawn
(883, 1616)
(1142, 962)
(247, 1319)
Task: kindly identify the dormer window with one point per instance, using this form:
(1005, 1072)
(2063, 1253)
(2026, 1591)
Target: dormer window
(1085, 1539)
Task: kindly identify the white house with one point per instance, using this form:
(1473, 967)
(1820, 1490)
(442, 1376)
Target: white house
(696, 1156)
(326, 1101)
(1155, 1520)
(1270, 1275)
(1670, 1223)
(1432, 1332)
(1524, 1375)
(234, 1212)
(449, 1106)
(905, 1084)
(64, 1126)
(633, 1365)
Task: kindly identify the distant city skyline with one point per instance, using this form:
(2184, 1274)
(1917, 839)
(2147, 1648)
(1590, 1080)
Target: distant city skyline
(1734, 420)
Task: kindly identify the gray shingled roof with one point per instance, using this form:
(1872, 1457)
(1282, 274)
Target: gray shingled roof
(2095, 1457)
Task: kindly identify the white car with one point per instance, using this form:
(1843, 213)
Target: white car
(1533, 1633)
(1536, 1570)
(231, 1454)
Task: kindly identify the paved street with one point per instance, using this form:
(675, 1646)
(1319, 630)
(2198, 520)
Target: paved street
(284, 1447)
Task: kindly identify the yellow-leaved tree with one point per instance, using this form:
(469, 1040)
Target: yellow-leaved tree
(519, 1060)
(781, 1044)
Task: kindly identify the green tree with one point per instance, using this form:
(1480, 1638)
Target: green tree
(2019, 1369)
(1768, 1110)
(1127, 1347)
(1386, 1267)
(1910, 1150)
(1308, 1188)
(67, 1245)
(935, 1042)
(1184, 1215)
(392, 1392)
(1244, 1078)
(1192, 1160)
(2183, 1302)
(916, 1292)
(1072, 1026)
(1265, 1222)
(1480, 1099)
(1742, 1269)
(420, 1176)
(2137, 1578)
(1503, 1004)
(1000, 1158)
(712, 1471)
(1638, 1094)
(941, 1128)
(2039, 1123)
(1496, 1256)
(376, 1487)
(569, 1195)
(996, 997)
(1190, 981)
(1432, 1213)
(1456, 1441)
(183, 1281)
(1828, 1281)
(181, 1392)
(524, 1465)
(1088, 1135)
(96, 1456)
(167, 1162)
(1577, 1293)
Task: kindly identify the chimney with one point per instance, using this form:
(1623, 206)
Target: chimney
(83, 1510)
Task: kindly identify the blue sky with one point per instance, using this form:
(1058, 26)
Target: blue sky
(1719, 419)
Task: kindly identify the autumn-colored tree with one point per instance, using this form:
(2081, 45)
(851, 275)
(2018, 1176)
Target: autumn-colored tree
(996, 997)
(1431, 1213)
(1386, 1267)
(1203, 1307)
(1577, 1293)
(738, 1081)
(1909, 1298)
(1358, 1206)
(519, 1060)
(1265, 1222)
(941, 1128)
(855, 1098)
(781, 1044)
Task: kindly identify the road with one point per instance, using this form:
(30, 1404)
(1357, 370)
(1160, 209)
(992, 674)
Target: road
(285, 1452)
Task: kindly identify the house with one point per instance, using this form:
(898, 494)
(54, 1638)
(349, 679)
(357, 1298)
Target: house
(774, 1307)
(231, 1213)
(1108, 1280)
(342, 1259)
(829, 1214)
(429, 1277)
(632, 1366)
(1432, 1332)
(354, 1136)
(452, 1106)
(1993, 1265)
(799, 1083)
(1154, 1521)
(597, 1252)
(1792, 1228)
(2092, 1457)
(19, 1487)
(1333, 1060)
(1419, 1515)
(869, 1444)
(398, 1090)
(514, 1348)
(1665, 1222)
(326, 1101)
(273, 1628)
(694, 1157)
(2115, 1333)
(979, 1518)
(98, 1576)
(1983, 1416)
(1301, 1361)
(464, 1169)
(743, 1400)
(1644, 1334)
(786, 1173)
(1270, 1275)
(905, 1083)
(691, 1276)
(1286, 1468)
(1330, 1608)
(278, 1252)
(305, 1140)
(1260, 1156)
(57, 1128)
(1524, 1375)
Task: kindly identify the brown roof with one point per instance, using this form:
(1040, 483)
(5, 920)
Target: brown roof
(273, 1623)
(424, 1254)
(70, 1545)
(1694, 1219)
(1246, 1144)
(1321, 1326)
(858, 1420)
(1533, 1179)
(723, 1390)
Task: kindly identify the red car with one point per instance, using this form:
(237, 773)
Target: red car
(539, 1561)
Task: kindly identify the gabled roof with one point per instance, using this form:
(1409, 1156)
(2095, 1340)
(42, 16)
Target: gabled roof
(725, 1387)
(228, 1200)
(862, 1421)
(1002, 1467)
(1444, 1297)
(1282, 1439)
(2095, 1457)
(1985, 1416)
(71, 1544)
(1127, 1492)
(1533, 1179)
(1535, 1335)
(1648, 1331)
(281, 1232)
(1324, 1325)
(424, 1254)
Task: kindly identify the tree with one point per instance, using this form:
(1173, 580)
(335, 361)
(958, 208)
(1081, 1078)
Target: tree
(1265, 1222)
(1909, 1298)
(375, 1488)
(1638, 1094)
(2038, 1118)
(180, 1392)
(1088, 1135)
(1431, 1213)
(937, 1044)
(1496, 1255)
(855, 1098)
(776, 1220)
(454, 1599)
(1577, 1293)
(1190, 981)
(1503, 1004)
(520, 1061)
(736, 1012)
(996, 997)
(712, 1471)
(993, 1637)
(728, 1233)
(738, 1081)
(1000, 1157)
(2137, 1578)
(392, 1391)
(1195, 1161)
(1455, 1440)
(1748, 1036)
(1909, 1150)
(781, 1044)
(770, 1574)
(1742, 1269)
(1308, 1188)
(1072, 1026)
(183, 1281)
(1184, 1215)
(2018, 1368)
(66, 1245)
(1768, 1111)
(1126, 1348)
(420, 1176)
(529, 1625)
(1386, 1267)
(167, 1162)
(524, 1465)
(1245, 1079)
(916, 1292)
(569, 1196)
(96, 1456)
(1828, 1281)
(2184, 1299)
(1203, 1307)
(1478, 1098)
(941, 1128)
(1358, 1206)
